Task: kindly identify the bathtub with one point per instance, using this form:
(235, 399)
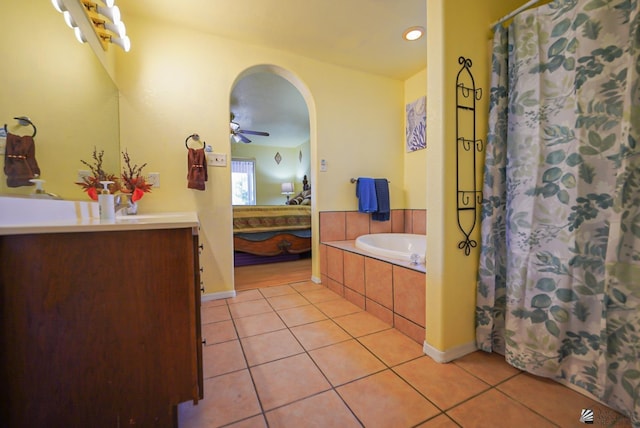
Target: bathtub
(407, 247)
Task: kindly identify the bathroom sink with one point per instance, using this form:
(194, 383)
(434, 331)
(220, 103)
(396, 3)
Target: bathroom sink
(26, 210)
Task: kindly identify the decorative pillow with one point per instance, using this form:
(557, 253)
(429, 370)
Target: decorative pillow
(302, 198)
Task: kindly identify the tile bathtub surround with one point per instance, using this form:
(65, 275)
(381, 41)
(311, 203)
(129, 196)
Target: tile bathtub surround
(299, 355)
(348, 225)
(394, 294)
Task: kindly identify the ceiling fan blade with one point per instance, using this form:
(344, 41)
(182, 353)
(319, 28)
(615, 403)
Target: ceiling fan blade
(244, 131)
(243, 138)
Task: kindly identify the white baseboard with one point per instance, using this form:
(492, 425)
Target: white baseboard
(316, 280)
(450, 354)
(218, 296)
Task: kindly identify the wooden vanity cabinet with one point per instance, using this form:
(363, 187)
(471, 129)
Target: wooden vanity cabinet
(99, 329)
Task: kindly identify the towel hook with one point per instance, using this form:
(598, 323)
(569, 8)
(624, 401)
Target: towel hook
(24, 121)
(195, 137)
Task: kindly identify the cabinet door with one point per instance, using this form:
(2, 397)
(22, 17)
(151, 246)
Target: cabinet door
(99, 326)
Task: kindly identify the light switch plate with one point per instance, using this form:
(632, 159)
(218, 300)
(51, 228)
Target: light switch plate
(82, 173)
(217, 159)
(154, 179)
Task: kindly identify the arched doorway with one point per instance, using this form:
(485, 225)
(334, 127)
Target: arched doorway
(271, 177)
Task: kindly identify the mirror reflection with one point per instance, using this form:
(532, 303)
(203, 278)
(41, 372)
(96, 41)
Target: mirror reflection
(268, 169)
(61, 86)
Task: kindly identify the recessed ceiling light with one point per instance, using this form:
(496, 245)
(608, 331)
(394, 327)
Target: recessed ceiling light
(413, 33)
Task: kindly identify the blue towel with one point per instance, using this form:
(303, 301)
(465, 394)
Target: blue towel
(366, 193)
(383, 213)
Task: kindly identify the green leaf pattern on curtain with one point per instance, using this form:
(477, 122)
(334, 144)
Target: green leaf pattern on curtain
(559, 277)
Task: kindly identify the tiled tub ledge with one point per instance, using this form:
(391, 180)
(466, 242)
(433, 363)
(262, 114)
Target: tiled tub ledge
(351, 247)
(391, 290)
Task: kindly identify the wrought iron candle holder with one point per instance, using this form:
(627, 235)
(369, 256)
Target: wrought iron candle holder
(468, 197)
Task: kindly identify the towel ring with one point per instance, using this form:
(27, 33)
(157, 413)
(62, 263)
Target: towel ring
(24, 121)
(195, 137)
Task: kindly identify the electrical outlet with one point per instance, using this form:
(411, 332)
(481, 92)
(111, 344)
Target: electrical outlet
(217, 159)
(154, 179)
(82, 173)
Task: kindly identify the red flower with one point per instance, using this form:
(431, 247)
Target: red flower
(92, 193)
(138, 193)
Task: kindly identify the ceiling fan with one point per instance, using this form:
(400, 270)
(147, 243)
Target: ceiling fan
(237, 132)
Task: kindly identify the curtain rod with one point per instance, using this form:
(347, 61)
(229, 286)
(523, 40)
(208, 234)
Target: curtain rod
(515, 12)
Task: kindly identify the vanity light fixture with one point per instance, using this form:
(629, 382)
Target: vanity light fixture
(413, 33)
(105, 18)
(107, 23)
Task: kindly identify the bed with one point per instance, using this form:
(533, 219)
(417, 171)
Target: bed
(271, 231)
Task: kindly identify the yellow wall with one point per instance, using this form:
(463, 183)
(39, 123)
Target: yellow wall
(176, 81)
(62, 87)
(269, 174)
(454, 28)
(414, 162)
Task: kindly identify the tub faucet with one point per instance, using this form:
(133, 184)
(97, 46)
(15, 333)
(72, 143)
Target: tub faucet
(415, 259)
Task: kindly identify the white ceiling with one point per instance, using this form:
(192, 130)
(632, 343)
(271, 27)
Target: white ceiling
(364, 35)
(267, 102)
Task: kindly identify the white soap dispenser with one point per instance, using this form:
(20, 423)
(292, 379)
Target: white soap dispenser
(39, 192)
(106, 202)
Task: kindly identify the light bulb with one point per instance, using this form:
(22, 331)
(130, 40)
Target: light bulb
(413, 33)
(79, 36)
(57, 4)
(124, 42)
(112, 13)
(69, 19)
(119, 29)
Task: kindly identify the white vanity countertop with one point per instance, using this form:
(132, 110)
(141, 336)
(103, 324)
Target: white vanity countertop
(121, 223)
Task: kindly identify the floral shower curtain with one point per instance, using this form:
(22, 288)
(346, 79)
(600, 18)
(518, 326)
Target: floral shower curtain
(559, 279)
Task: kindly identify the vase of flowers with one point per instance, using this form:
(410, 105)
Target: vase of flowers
(131, 184)
(125, 200)
(91, 184)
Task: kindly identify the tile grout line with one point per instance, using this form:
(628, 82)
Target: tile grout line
(332, 387)
(248, 368)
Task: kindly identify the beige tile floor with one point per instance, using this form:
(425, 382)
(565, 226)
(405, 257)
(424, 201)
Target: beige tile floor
(298, 355)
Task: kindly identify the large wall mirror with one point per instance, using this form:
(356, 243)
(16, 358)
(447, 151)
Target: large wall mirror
(263, 101)
(60, 84)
